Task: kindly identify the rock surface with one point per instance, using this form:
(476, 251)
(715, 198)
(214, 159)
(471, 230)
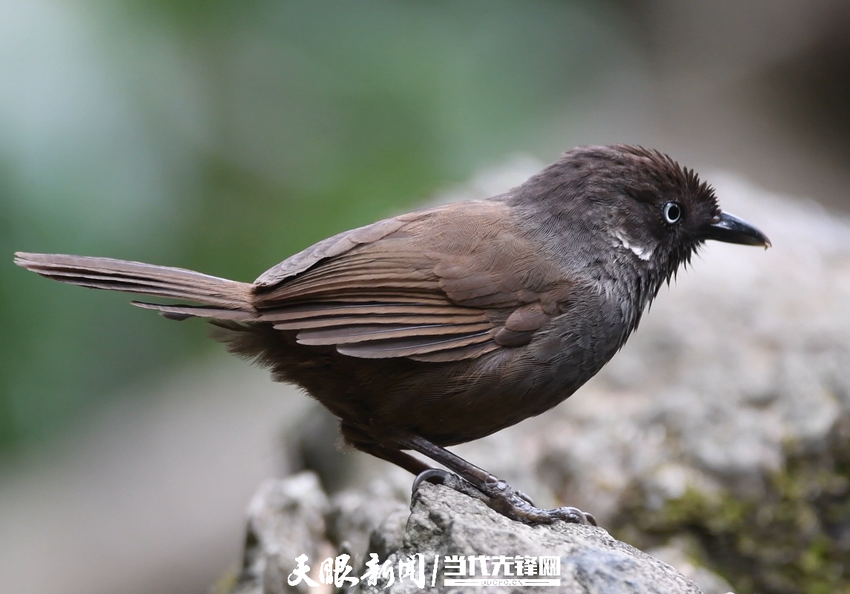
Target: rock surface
(286, 518)
(286, 521)
(443, 522)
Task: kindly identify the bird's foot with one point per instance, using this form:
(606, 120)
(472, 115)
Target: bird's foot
(439, 476)
(501, 497)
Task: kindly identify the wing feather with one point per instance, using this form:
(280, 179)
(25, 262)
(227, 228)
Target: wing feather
(380, 320)
(396, 333)
(432, 287)
(413, 346)
(307, 311)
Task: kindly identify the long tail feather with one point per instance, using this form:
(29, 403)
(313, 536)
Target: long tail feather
(223, 298)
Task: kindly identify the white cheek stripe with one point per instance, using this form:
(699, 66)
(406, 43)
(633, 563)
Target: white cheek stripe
(641, 252)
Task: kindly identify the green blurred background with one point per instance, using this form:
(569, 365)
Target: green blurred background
(226, 135)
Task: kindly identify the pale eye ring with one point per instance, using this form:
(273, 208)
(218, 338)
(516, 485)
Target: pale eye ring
(672, 212)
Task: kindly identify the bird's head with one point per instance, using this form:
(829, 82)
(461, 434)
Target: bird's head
(654, 210)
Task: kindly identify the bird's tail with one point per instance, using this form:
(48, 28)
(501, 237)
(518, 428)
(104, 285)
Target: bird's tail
(219, 298)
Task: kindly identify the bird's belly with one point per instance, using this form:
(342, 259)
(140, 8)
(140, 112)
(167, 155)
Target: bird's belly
(480, 414)
(515, 384)
(455, 412)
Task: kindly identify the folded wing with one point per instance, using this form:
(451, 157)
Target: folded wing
(430, 286)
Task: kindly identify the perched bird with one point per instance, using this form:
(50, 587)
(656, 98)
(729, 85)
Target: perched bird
(444, 325)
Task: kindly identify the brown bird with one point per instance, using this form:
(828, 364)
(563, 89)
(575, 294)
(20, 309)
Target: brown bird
(445, 325)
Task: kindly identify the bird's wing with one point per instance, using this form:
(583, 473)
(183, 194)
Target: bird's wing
(431, 286)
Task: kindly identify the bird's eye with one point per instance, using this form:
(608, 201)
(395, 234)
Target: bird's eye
(672, 212)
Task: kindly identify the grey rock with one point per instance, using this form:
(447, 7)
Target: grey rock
(673, 554)
(370, 518)
(445, 523)
(285, 520)
(291, 517)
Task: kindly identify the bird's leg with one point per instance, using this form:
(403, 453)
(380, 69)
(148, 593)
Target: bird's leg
(496, 493)
(422, 471)
(401, 459)
(357, 438)
(444, 477)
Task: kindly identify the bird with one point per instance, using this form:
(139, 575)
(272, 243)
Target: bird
(447, 324)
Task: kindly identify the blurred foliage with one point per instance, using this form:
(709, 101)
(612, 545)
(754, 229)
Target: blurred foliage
(224, 136)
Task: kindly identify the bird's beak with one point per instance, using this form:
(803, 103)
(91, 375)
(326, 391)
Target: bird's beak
(731, 229)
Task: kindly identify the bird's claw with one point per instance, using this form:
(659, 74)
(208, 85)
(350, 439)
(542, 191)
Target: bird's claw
(428, 475)
(499, 495)
(574, 515)
(517, 506)
(450, 480)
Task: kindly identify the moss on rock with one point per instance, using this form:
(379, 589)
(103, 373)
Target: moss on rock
(794, 538)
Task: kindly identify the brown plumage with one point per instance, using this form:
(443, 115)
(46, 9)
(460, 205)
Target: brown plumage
(441, 326)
